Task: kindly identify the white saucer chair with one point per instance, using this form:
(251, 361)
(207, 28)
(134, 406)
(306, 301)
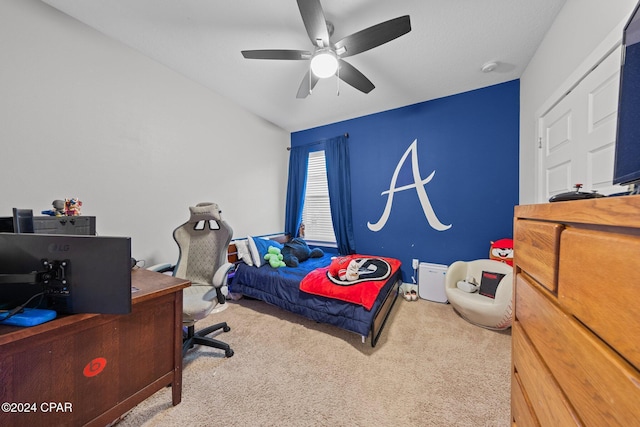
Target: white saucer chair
(491, 313)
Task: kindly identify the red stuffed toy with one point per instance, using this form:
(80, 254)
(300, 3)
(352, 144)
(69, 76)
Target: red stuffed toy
(502, 250)
(345, 269)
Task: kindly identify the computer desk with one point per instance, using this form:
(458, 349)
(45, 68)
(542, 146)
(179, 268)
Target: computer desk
(90, 369)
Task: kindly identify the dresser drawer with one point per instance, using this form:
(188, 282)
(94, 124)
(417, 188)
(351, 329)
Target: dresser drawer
(536, 250)
(603, 389)
(520, 411)
(545, 396)
(598, 283)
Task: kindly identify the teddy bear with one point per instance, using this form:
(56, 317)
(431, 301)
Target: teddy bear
(296, 251)
(274, 257)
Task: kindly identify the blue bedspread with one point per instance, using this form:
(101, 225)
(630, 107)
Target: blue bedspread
(281, 287)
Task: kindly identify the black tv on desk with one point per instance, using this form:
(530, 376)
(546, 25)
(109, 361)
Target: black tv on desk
(78, 274)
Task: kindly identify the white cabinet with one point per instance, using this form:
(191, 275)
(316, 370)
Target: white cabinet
(431, 282)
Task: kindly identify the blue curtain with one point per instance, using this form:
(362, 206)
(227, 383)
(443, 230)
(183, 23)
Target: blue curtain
(298, 163)
(339, 181)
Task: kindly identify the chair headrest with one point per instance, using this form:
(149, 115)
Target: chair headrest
(205, 211)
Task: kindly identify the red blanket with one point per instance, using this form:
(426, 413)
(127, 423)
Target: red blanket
(363, 293)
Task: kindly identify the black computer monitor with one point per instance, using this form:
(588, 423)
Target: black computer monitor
(78, 274)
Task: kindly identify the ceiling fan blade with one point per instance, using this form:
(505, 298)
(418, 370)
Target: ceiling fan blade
(350, 75)
(276, 54)
(314, 22)
(307, 86)
(373, 36)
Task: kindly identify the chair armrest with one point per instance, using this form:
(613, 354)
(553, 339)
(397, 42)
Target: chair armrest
(220, 276)
(220, 280)
(504, 291)
(456, 271)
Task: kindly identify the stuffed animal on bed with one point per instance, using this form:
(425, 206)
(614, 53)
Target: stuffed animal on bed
(274, 257)
(297, 251)
(345, 268)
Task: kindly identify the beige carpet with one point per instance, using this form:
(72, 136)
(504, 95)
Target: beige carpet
(430, 368)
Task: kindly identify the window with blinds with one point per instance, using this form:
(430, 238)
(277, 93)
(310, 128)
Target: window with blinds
(316, 214)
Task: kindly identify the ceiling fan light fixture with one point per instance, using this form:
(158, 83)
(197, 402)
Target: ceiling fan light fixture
(327, 59)
(324, 64)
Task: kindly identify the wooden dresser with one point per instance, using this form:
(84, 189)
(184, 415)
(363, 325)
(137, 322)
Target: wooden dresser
(576, 329)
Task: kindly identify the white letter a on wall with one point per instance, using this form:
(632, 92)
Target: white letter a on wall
(418, 184)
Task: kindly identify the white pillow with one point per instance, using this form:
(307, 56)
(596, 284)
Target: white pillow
(242, 246)
(253, 249)
(259, 247)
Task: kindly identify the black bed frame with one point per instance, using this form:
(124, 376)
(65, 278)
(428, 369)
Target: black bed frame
(381, 316)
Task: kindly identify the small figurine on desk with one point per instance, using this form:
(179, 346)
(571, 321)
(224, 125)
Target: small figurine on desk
(58, 209)
(72, 207)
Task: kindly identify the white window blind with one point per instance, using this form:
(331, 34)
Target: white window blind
(316, 214)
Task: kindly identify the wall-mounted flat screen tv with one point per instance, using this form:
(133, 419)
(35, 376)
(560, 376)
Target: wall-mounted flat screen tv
(627, 152)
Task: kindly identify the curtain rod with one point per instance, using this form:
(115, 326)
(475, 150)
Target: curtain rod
(346, 135)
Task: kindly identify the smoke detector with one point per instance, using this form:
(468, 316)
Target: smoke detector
(489, 67)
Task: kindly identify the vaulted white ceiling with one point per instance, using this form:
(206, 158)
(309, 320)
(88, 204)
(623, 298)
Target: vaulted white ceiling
(443, 54)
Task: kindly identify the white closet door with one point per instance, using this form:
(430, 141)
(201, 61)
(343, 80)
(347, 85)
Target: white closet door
(557, 146)
(577, 135)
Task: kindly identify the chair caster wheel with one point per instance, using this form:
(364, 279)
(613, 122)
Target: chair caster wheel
(226, 329)
(228, 353)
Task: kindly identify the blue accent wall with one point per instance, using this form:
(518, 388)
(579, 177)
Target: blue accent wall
(470, 140)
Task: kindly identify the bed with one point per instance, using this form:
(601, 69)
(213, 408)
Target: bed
(281, 287)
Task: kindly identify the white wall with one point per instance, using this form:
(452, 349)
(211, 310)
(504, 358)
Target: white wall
(579, 29)
(84, 116)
